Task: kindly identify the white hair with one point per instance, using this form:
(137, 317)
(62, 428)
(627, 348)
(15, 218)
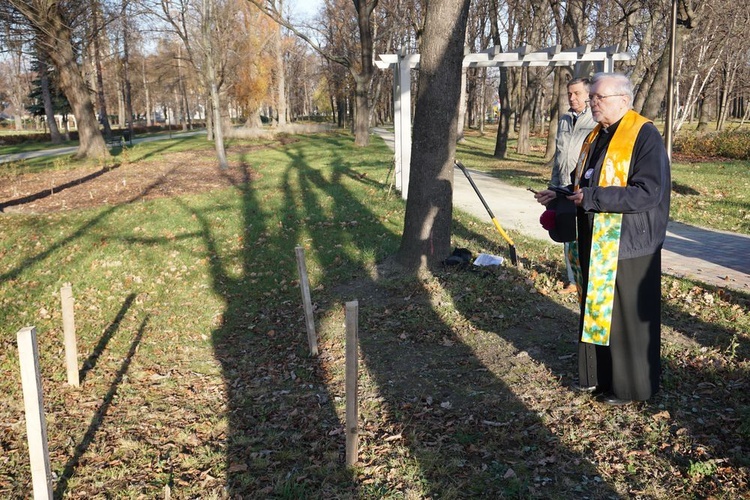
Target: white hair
(621, 84)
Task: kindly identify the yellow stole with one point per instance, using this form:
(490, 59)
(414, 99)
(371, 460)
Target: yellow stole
(605, 240)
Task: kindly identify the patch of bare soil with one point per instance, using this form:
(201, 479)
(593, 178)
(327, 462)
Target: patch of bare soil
(176, 174)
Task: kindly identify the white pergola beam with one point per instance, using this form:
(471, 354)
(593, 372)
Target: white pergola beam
(402, 63)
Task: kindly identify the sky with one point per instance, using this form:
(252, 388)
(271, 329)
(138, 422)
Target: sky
(304, 8)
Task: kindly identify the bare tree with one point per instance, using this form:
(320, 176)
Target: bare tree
(202, 25)
(51, 22)
(689, 17)
(504, 114)
(17, 83)
(97, 55)
(361, 70)
(280, 77)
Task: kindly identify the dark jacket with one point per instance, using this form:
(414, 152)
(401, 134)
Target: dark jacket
(644, 202)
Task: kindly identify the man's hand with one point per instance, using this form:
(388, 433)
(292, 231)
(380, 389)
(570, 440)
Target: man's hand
(545, 197)
(577, 198)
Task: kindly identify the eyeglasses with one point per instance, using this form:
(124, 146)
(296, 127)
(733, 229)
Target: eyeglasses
(597, 97)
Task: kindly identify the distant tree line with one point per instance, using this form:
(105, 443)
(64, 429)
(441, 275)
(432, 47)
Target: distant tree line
(120, 62)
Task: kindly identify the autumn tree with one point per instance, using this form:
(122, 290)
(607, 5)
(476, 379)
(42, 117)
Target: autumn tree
(254, 64)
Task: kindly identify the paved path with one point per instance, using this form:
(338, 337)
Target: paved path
(69, 150)
(714, 257)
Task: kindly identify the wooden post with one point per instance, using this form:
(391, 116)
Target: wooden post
(304, 284)
(36, 427)
(69, 332)
(352, 413)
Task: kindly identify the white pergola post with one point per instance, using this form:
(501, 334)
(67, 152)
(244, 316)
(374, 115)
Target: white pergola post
(603, 59)
(402, 118)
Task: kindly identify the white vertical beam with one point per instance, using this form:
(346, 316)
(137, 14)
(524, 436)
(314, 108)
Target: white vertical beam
(397, 123)
(404, 130)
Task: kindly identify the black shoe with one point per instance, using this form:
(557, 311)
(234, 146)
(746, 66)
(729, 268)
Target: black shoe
(612, 400)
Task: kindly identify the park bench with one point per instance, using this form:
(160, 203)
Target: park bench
(119, 139)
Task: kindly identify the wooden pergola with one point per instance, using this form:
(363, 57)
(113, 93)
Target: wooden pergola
(602, 59)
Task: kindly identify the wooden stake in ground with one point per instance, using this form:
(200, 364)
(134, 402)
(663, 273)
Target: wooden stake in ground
(36, 426)
(304, 284)
(69, 332)
(352, 367)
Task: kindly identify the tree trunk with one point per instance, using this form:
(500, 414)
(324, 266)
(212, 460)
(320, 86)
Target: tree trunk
(426, 240)
(55, 39)
(524, 146)
(49, 111)
(280, 75)
(559, 103)
(702, 112)
(126, 67)
(147, 94)
(103, 115)
(363, 76)
(208, 45)
(503, 91)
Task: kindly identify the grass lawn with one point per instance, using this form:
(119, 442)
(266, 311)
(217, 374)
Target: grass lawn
(196, 378)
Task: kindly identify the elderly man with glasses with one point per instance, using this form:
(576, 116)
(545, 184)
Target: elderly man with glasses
(622, 193)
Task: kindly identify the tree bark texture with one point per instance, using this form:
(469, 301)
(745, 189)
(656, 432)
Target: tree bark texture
(363, 75)
(49, 111)
(426, 240)
(503, 91)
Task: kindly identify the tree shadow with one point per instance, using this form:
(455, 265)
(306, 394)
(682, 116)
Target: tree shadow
(705, 390)
(279, 408)
(90, 362)
(428, 393)
(14, 273)
(684, 189)
(98, 417)
(685, 312)
(56, 189)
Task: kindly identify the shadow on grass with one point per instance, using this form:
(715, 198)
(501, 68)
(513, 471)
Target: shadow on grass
(425, 391)
(56, 189)
(90, 362)
(99, 415)
(683, 189)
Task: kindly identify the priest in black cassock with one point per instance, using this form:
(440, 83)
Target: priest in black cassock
(622, 193)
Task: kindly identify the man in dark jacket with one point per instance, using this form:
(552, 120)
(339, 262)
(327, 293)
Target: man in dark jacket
(622, 193)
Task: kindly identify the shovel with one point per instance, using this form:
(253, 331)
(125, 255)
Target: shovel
(512, 247)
